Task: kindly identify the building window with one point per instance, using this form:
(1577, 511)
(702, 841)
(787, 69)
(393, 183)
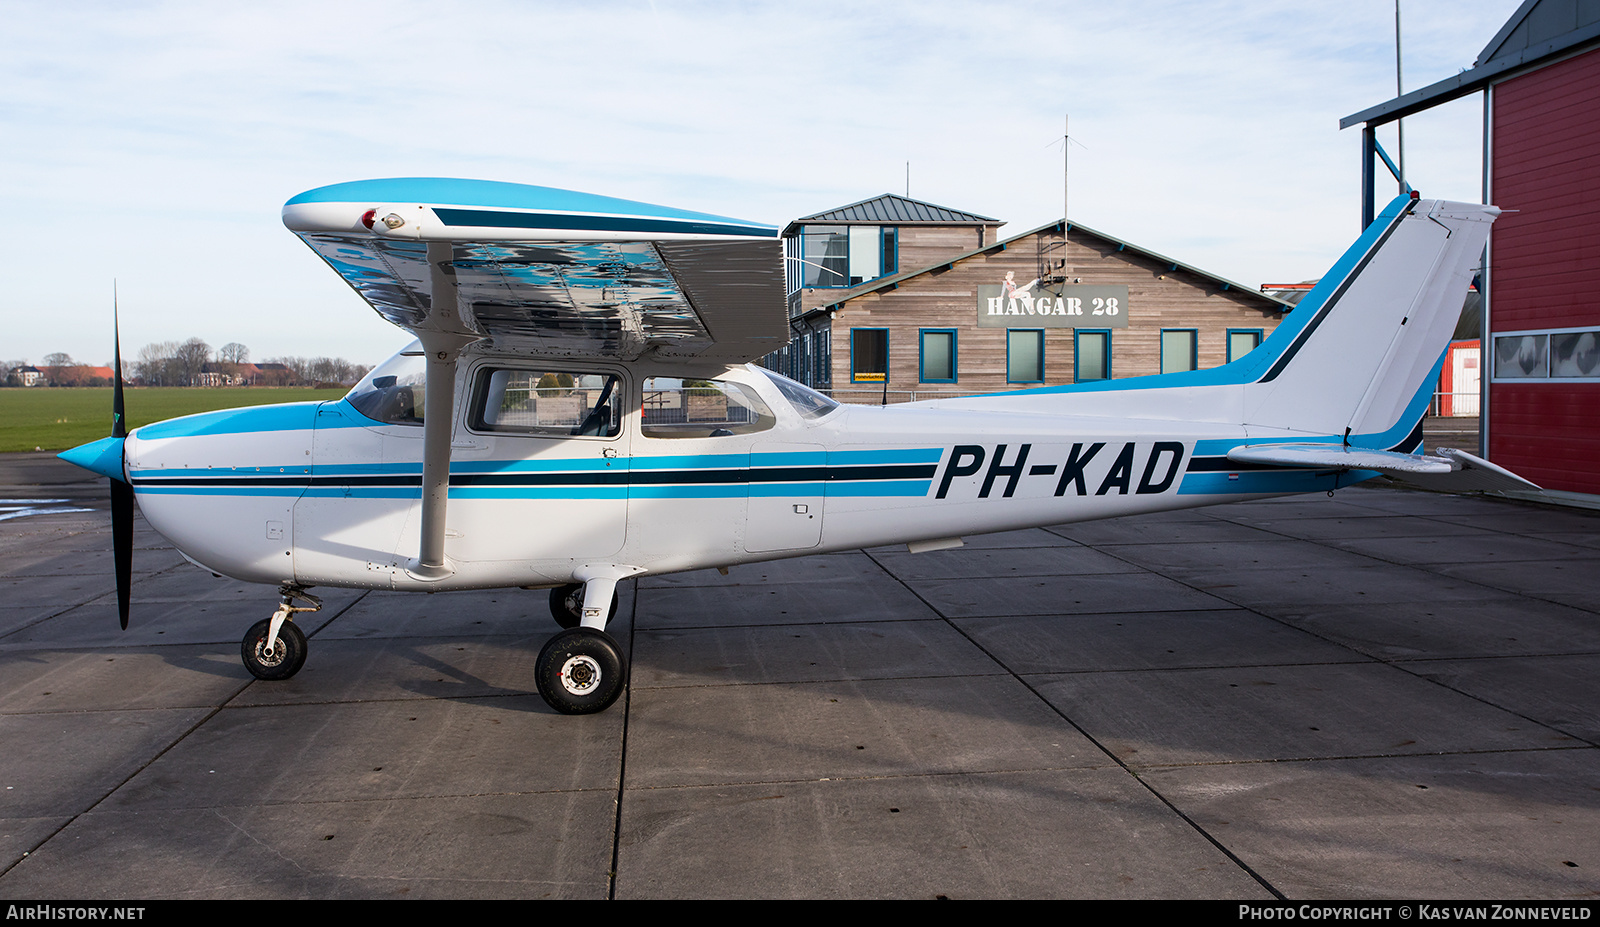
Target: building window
(1024, 355)
(1092, 355)
(1178, 351)
(938, 355)
(866, 253)
(825, 255)
(869, 355)
(1575, 354)
(1521, 356)
(1558, 354)
(844, 255)
(1242, 341)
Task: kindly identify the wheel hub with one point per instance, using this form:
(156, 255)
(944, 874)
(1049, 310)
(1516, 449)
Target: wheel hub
(580, 675)
(271, 657)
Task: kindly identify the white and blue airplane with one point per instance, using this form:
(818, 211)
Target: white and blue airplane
(579, 407)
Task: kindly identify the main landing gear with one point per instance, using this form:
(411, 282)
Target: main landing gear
(582, 669)
(566, 605)
(275, 648)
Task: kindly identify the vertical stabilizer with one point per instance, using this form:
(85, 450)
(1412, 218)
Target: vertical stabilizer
(1362, 358)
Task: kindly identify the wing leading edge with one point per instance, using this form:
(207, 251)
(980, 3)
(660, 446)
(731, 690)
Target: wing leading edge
(551, 272)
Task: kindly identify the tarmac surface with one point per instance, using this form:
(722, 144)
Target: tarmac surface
(1380, 695)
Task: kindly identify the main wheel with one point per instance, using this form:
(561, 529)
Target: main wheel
(566, 605)
(581, 671)
(285, 658)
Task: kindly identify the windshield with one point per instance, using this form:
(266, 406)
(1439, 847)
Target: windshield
(394, 392)
(807, 401)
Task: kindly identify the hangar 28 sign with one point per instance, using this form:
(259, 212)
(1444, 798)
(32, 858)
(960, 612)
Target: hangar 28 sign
(1036, 305)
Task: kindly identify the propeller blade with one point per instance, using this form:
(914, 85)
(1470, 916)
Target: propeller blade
(121, 492)
(119, 425)
(122, 544)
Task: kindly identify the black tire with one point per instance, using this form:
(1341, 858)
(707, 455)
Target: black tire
(581, 671)
(566, 605)
(286, 658)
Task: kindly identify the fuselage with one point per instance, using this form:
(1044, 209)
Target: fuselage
(558, 466)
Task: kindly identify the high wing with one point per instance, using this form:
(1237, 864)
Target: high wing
(551, 272)
(1446, 470)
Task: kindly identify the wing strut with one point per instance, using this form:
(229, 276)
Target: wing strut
(443, 335)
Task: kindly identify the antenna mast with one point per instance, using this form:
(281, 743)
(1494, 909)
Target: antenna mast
(1400, 124)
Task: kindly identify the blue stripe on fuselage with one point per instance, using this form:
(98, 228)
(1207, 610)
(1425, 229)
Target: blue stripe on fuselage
(896, 472)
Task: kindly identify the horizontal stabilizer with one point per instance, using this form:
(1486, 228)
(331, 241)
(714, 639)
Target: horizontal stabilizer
(1447, 470)
(1474, 474)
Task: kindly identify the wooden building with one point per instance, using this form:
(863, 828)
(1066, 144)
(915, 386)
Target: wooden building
(1540, 80)
(904, 299)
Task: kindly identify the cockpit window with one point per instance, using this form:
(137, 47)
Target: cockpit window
(394, 392)
(548, 402)
(807, 401)
(690, 408)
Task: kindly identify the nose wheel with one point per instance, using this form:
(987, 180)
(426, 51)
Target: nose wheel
(279, 661)
(274, 648)
(581, 671)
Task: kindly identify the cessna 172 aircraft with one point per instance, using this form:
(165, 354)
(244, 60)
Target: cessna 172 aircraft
(579, 407)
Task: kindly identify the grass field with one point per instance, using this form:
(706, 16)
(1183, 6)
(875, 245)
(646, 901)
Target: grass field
(54, 419)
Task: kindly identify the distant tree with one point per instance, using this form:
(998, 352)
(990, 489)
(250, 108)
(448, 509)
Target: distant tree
(71, 375)
(190, 358)
(60, 370)
(273, 373)
(322, 370)
(155, 366)
(296, 368)
(332, 370)
(234, 353)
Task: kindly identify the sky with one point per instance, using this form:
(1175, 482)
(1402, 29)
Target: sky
(149, 146)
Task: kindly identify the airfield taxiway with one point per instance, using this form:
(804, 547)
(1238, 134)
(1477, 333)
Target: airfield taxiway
(1382, 694)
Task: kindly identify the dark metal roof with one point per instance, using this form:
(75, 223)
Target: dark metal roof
(890, 209)
(1537, 31)
(1537, 23)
